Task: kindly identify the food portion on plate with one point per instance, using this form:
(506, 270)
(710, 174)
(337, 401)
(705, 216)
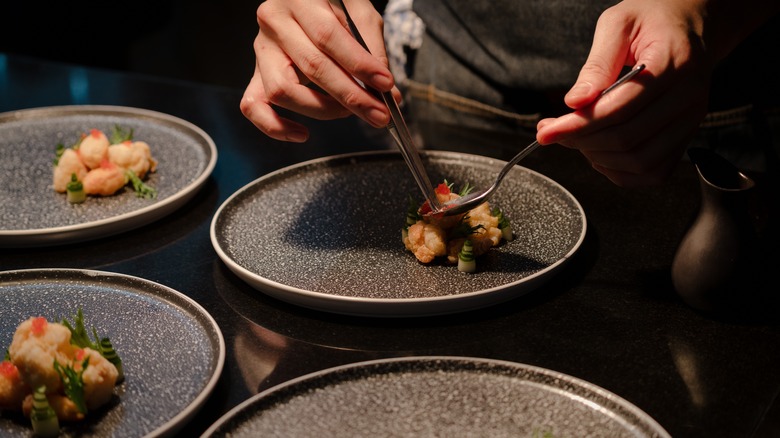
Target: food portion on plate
(100, 165)
(458, 239)
(57, 371)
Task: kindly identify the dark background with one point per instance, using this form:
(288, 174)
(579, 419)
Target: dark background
(197, 40)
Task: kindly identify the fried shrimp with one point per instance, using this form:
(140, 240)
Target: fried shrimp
(426, 241)
(94, 148)
(429, 236)
(12, 388)
(56, 372)
(35, 346)
(99, 376)
(68, 164)
(133, 155)
(104, 180)
(95, 166)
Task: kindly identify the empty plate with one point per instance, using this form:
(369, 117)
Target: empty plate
(436, 396)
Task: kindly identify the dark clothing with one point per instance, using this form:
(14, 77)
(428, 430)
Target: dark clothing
(502, 72)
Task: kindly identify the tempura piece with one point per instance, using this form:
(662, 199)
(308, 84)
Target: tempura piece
(94, 148)
(69, 164)
(104, 180)
(429, 237)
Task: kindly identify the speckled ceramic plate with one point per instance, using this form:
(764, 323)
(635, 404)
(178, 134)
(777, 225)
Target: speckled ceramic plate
(326, 234)
(33, 214)
(436, 396)
(172, 350)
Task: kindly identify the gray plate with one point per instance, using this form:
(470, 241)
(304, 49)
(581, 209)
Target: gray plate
(172, 350)
(436, 396)
(326, 234)
(33, 214)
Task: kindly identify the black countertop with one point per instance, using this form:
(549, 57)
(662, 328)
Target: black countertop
(610, 317)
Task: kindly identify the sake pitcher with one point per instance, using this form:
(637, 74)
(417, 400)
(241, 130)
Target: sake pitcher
(717, 259)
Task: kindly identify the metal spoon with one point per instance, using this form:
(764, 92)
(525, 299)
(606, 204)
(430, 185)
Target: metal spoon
(468, 202)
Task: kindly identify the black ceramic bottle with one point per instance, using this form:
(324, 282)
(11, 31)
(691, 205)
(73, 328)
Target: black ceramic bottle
(716, 266)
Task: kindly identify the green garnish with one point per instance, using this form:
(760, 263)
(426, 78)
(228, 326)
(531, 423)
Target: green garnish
(466, 258)
(119, 135)
(78, 332)
(412, 213)
(80, 338)
(503, 224)
(7, 355)
(44, 419)
(466, 190)
(463, 229)
(75, 190)
(73, 383)
(58, 151)
(141, 189)
(107, 351)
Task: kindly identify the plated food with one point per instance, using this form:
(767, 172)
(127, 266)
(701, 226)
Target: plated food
(34, 214)
(324, 234)
(57, 371)
(459, 238)
(100, 165)
(172, 350)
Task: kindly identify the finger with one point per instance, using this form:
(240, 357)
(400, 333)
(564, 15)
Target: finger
(608, 55)
(617, 132)
(256, 108)
(613, 108)
(282, 87)
(372, 72)
(324, 72)
(653, 159)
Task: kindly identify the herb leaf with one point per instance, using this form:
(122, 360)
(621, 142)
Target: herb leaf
(79, 336)
(120, 134)
(142, 190)
(73, 383)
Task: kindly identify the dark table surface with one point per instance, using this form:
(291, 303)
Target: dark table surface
(610, 317)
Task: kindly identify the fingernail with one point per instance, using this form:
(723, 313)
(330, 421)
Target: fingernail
(382, 81)
(378, 117)
(297, 136)
(580, 89)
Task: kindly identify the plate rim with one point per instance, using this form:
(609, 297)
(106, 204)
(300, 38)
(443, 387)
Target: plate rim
(104, 227)
(181, 418)
(388, 307)
(453, 359)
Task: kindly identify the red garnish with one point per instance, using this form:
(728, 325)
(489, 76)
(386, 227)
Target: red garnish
(442, 189)
(95, 133)
(39, 325)
(8, 370)
(80, 354)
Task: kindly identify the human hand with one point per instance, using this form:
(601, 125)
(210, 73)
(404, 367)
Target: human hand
(306, 42)
(637, 134)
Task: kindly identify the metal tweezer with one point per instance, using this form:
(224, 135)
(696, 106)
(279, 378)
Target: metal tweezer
(399, 130)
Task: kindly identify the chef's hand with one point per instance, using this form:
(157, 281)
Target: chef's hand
(637, 134)
(306, 62)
